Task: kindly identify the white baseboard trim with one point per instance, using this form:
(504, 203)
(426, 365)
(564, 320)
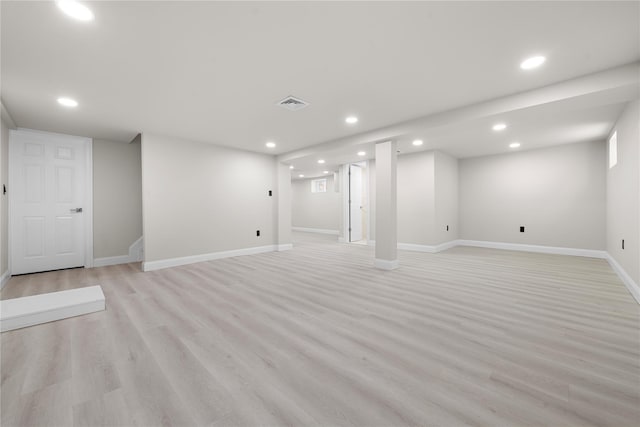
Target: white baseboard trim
(316, 230)
(632, 286)
(175, 262)
(341, 240)
(5, 278)
(590, 253)
(384, 264)
(136, 254)
(285, 247)
(432, 249)
(19, 313)
(417, 248)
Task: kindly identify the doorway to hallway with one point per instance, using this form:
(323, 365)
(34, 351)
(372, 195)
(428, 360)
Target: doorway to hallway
(358, 203)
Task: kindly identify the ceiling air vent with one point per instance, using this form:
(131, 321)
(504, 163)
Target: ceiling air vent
(292, 103)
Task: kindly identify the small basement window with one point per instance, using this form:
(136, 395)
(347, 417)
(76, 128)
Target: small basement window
(319, 185)
(613, 150)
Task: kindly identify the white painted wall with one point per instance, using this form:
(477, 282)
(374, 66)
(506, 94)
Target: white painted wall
(623, 194)
(199, 198)
(416, 206)
(315, 210)
(557, 193)
(117, 197)
(4, 198)
(446, 198)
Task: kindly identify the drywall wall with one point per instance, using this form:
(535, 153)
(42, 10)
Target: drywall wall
(623, 194)
(446, 198)
(416, 207)
(557, 193)
(200, 199)
(117, 197)
(315, 210)
(4, 199)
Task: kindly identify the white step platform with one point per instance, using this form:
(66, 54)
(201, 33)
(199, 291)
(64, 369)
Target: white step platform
(19, 313)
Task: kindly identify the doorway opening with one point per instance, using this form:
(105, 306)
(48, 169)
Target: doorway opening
(357, 203)
(50, 205)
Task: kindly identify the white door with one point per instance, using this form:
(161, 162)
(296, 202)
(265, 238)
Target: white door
(47, 197)
(355, 203)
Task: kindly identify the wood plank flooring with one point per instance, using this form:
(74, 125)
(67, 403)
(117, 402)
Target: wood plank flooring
(316, 336)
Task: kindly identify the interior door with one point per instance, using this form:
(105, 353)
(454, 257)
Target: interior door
(47, 189)
(355, 203)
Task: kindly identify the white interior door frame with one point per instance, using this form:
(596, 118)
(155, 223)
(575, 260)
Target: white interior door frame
(367, 193)
(355, 202)
(88, 192)
(344, 187)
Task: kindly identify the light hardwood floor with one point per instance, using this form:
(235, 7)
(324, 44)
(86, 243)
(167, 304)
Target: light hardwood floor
(316, 336)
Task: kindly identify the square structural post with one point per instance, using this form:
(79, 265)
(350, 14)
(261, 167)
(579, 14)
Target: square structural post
(386, 206)
(283, 196)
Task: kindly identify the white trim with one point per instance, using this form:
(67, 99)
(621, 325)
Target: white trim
(417, 248)
(385, 264)
(591, 253)
(135, 255)
(432, 249)
(88, 204)
(316, 230)
(341, 239)
(446, 245)
(285, 247)
(344, 187)
(5, 278)
(632, 286)
(175, 262)
(18, 313)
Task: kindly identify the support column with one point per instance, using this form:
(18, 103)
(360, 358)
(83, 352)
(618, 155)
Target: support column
(386, 206)
(283, 210)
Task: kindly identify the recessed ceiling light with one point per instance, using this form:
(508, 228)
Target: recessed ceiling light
(321, 161)
(499, 126)
(270, 144)
(67, 102)
(514, 145)
(362, 153)
(533, 62)
(301, 176)
(291, 167)
(75, 10)
(417, 142)
(325, 171)
(351, 120)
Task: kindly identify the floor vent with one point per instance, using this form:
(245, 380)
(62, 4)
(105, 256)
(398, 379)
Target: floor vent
(292, 103)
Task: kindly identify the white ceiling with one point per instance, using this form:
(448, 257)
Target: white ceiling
(212, 71)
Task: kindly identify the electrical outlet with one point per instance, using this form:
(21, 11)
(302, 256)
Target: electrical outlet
(522, 228)
(258, 233)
